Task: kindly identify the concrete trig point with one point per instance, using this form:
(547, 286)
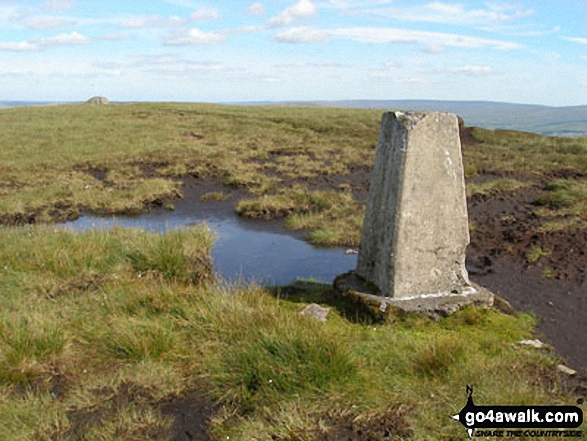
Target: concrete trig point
(415, 233)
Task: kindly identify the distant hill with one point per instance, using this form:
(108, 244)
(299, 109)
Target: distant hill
(545, 120)
(7, 104)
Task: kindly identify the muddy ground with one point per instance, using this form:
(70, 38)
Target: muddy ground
(554, 288)
(504, 233)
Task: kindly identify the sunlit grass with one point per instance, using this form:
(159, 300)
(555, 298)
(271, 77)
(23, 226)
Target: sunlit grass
(93, 341)
(59, 161)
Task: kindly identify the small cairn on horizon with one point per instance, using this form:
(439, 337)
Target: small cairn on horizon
(98, 101)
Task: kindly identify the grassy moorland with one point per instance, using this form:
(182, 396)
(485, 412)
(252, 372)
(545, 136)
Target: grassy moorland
(309, 166)
(100, 330)
(102, 334)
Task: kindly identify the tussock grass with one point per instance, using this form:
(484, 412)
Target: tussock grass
(501, 151)
(334, 217)
(94, 341)
(58, 161)
(114, 159)
(497, 185)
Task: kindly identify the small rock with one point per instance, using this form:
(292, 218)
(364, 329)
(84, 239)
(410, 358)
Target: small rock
(316, 312)
(550, 303)
(566, 370)
(534, 343)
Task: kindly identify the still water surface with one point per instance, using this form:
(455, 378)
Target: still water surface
(243, 249)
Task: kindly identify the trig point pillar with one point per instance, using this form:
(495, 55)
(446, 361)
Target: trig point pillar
(416, 232)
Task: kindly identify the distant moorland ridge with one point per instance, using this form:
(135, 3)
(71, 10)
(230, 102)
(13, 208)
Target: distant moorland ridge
(545, 120)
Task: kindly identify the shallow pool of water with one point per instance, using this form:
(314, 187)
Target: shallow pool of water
(243, 249)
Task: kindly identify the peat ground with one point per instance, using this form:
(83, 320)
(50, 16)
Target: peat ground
(505, 233)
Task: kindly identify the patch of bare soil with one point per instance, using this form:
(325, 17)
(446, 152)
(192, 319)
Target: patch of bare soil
(191, 415)
(552, 284)
(391, 426)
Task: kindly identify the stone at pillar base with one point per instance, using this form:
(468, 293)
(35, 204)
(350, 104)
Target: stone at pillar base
(351, 285)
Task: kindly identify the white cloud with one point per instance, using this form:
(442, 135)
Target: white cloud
(114, 37)
(303, 9)
(310, 64)
(195, 37)
(40, 22)
(243, 30)
(163, 65)
(182, 3)
(349, 4)
(435, 49)
(21, 46)
(72, 39)
(205, 14)
(303, 35)
(14, 72)
(523, 31)
(152, 21)
(256, 9)
(451, 13)
(576, 39)
(472, 70)
(406, 36)
(58, 5)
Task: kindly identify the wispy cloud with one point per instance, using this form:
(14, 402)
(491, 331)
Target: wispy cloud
(204, 15)
(303, 9)
(72, 39)
(41, 22)
(152, 21)
(195, 37)
(302, 35)
(576, 39)
(311, 64)
(471, 70)
(350, 4)
(523, 31)
(58, 5)
(183, 3)
(428, 39)
(256, 9)
(451, 13)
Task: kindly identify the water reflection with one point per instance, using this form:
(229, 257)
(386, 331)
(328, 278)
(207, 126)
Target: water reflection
(243, 249)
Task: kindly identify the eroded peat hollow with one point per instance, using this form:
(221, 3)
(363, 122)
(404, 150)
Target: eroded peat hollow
(126, 334)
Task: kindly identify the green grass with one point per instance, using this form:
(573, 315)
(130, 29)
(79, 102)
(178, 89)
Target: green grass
(60, 160)
(495, 186)
(98, 330)
(295, 163)
(501, 151)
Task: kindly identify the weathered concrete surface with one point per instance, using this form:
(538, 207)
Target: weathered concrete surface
(352, 286)
(416, 231)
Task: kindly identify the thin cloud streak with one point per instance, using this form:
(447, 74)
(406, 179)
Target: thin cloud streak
(302, 35)
(36, 44)
(448, 13)
(429, 39)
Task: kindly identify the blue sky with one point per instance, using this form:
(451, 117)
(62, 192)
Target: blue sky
(238, 50)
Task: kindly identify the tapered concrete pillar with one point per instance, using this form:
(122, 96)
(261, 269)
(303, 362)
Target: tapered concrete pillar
(416, 232)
